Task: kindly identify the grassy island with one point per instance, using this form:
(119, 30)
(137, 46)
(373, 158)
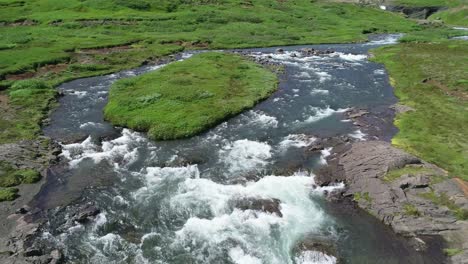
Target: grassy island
(187, 97)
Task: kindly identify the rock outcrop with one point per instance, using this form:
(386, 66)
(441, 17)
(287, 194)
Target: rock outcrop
(423, 201)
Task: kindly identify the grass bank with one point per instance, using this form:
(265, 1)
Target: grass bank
(10, 177)
(431, 78)
(187, 97)
(41, 32)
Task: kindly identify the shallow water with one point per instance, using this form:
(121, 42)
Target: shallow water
(175, 201)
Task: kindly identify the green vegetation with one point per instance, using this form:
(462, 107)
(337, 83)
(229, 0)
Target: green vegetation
(411, 210)
(431, 78)
(48, 32)
(185, 98)
(8, 194)
(429, 2)
(455, 16)
(443, 200)
(358, 196)
(412, 170)
(28, 102)
(10, 177)
(452, 251)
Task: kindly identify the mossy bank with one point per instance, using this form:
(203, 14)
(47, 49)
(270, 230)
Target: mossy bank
(187, 97)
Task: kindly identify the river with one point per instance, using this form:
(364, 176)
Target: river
(181, 201)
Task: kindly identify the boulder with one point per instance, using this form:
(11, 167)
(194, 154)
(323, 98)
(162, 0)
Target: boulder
(271, 206)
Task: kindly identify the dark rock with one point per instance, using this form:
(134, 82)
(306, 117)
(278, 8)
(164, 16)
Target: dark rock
(319, 244)
(416, 181)
(271, 206)
(32, 252)
(21, 210)
(86, 212)
(280, 50)
(420, 12)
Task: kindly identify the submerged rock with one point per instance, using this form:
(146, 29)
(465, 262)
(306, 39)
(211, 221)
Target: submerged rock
(271, 206)
(318, 248)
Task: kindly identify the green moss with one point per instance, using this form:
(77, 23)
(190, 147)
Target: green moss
(397, 173)
(452, 251)
(8, 194)
(185, 98)
(443, 200)
(11, 177)
(410, 209)
(436, 130)
(358, 196)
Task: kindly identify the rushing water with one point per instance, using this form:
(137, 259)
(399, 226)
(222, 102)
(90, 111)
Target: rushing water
(177, 201)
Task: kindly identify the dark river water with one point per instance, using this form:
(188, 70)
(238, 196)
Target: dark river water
(175, 201)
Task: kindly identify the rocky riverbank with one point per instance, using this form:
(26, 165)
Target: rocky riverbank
(413, 197)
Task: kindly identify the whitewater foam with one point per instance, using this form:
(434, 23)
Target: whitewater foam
(245, 155)
(296, 140)
(321, 113)
(261, 119)
(122, 149)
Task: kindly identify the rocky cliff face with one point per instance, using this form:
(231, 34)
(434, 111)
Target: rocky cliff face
(421, 201)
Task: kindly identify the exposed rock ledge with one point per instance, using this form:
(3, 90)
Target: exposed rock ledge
(401, 203)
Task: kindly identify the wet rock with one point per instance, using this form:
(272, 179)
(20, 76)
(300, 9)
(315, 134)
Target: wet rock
(85, 213)
(21, 210)
(313, 52)
(56, 257)
(318, 244)
(416, 181)
(271, 206)
(32, 252)
(355, 113)
(280, 51)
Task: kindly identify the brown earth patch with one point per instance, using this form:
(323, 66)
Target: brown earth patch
(459, 94)
(20, 22)
(189, 44)
(463, 185)
(99, 22)
(3, 101)
(106, 50)
(51, 68)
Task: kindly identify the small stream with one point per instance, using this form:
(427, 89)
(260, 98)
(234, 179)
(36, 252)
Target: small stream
(180, 201)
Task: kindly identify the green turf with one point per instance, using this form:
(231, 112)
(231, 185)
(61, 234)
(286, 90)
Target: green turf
(446, 3)
(8, 194)
(11, 177)
(431, 78)
(187, 97)
(457, 16)
(67, 25)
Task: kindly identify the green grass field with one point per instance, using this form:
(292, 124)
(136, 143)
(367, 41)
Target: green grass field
(187, 97)
(432, 78)
(61, 28)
